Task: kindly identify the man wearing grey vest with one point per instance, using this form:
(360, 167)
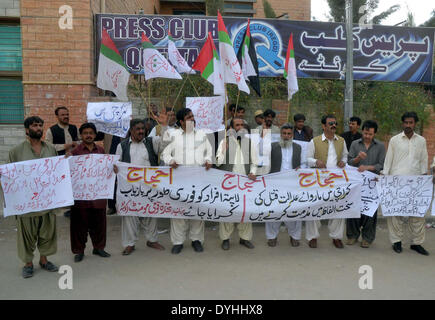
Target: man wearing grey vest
(236, 154)
(327, 151)
(140, 151)
(285, 155)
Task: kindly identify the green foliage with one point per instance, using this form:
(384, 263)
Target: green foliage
(383, 102)
(212, 7)
(268, 10)
(430, 22)
(338, 10)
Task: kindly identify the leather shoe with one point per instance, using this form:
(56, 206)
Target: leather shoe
(49, 266)
(127, 251)
(312, 243)
(197, 246)
(272, 242)
(351, 241)
(101, 253)
(248, 244)
(27, 271)
(419, 249)
(78, 257)
(397, 247)
(226, 244)
(177, 249)
(365, 244)
(155, 245)
(294, 242)
(337, 243)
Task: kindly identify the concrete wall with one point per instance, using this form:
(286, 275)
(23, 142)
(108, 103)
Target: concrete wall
(9, 8)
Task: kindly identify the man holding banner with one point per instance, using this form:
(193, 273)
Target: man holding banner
(188, 147)
(285, 155)
(407, 155)
(36, 229)
(327, 151)
(237, 154)
(140, 151)
(366, 153)
(88, 216)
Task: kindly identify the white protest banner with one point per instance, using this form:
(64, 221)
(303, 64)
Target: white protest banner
(92, 176)
(369, 194)
(36, 185)
(110, 117)
(304, 147)
(208, 112)
(215, 195)
(406, 196)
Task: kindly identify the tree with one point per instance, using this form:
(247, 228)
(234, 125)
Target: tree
(338, 10)
(212, 7)
(430, 22)
(268, 10)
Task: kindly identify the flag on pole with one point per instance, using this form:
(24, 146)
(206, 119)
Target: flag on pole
(154, 63)
(113, 74)
(209, 65)
(175, 57)
(290, 69)
(248, 60)
(231, 71)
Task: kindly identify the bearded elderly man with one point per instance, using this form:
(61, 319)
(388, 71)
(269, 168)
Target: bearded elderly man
(285, 155)
(35, 229)
(237, 154)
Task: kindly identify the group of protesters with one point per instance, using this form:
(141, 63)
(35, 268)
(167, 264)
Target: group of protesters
(161, 140)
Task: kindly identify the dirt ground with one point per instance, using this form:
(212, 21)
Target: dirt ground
(263, 273)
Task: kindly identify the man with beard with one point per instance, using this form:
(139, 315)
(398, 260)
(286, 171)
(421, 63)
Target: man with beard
(285, 155)
(188, 147)
(269, 115)
(366, 153)
(407, 155)
(88, 216)
(62, 135)
(236, 154)
(142, 151)
(35, 229)
(327, 151)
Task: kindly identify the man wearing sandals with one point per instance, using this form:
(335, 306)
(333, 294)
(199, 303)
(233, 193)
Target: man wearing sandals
(35, 229)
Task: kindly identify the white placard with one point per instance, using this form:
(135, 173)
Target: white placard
(36, 185)
(110, 117)
(406, 196)
(92, 176)
(208, 112)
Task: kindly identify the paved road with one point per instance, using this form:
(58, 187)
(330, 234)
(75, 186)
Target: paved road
(267, 273)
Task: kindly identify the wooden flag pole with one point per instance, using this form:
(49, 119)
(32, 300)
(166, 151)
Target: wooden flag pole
(237, 102)
(141, 94)
(288, 112)
(193, 85)
(225, 110)
(176, 98)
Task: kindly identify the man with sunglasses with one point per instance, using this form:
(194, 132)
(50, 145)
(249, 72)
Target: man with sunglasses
(327, 151)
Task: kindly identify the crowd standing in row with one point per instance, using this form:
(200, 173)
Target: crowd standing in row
(161, 141)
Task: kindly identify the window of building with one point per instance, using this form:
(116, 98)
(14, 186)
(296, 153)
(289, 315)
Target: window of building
(11, 86)
(238, 5)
